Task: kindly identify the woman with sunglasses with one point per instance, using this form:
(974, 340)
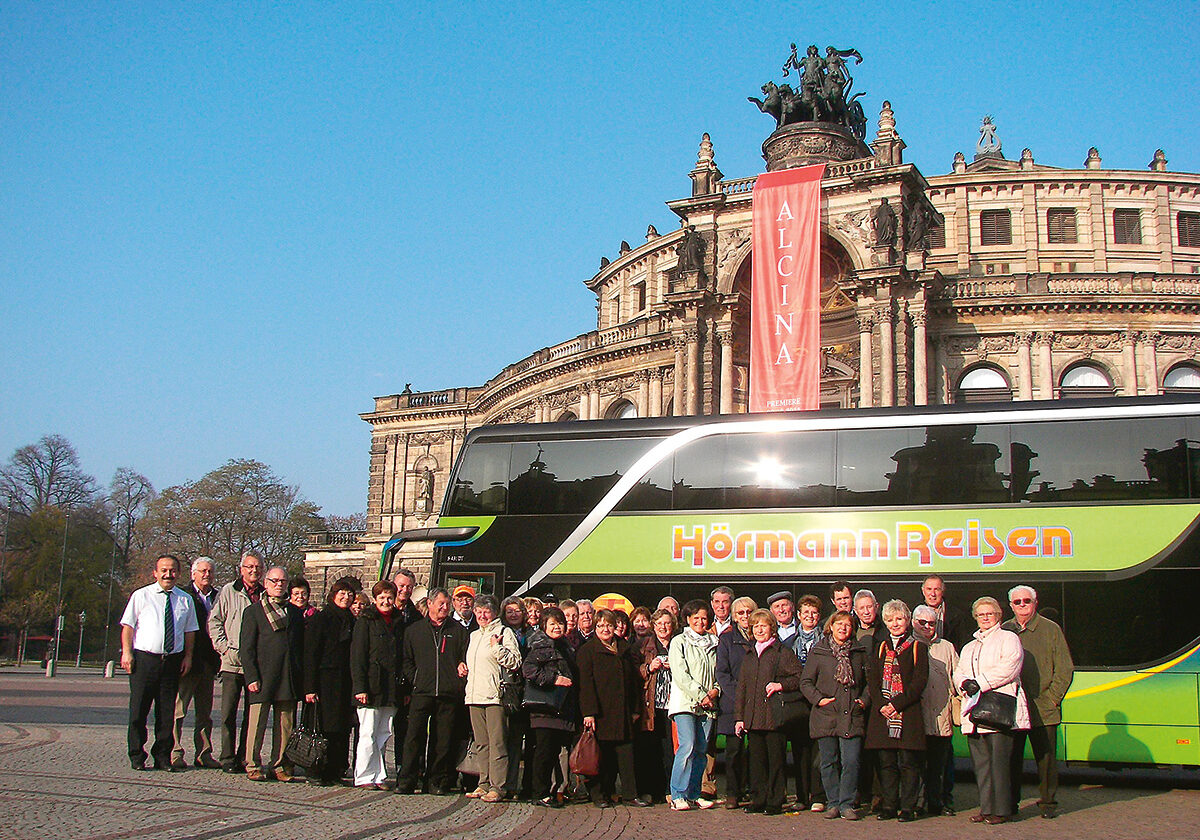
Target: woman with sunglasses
(937, 707)
(732, 647)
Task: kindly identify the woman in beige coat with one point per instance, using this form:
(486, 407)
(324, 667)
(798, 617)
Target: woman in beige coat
(937, 705)
(492, 652)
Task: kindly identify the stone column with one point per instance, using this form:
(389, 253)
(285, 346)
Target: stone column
(693, 372)
(643, 394)
(1150, 354)
(866, 376)
(887, 355)
(594, 400)
(1043, 340)
(655, 406)
(538, 407)
(1024, 366)
(1129, 362)
(725, 339)
(920, 360)
(680, 346)
(584, 402)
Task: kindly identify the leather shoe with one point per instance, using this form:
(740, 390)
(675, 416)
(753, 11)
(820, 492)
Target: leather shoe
(233, 768)
(208, 763)
(642, 802)
(947, 811)
(256, 776)
(996, 819)
(907, 816)
(138, 765)
(754, 809)
(732, 804)
(178, 764)
(282, 775)
(886, 815)
(167, 768)
(979, 818)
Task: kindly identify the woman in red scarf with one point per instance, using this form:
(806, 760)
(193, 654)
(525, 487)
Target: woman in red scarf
(898, 669)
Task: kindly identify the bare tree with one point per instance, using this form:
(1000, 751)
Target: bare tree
(47, 473)
(128, 495)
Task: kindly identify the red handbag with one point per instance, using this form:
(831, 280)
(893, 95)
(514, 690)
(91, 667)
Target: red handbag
(585, 755)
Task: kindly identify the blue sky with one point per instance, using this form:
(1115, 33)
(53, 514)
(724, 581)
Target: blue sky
(226, 227)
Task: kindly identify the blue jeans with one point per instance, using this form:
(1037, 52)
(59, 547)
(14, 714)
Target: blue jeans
(839, 770)
(691, 757)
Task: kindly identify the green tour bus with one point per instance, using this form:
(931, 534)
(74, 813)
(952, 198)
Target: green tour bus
(1093, 503)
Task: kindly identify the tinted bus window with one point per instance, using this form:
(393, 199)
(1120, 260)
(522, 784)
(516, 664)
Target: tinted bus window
(785, 470)
(480, 486)
(866, 465)
(1101, 460)
(568, 476)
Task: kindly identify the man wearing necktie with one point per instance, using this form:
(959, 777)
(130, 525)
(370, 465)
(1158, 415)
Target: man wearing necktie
(158, 630)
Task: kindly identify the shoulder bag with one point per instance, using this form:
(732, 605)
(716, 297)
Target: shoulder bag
(307, 746)
(994, 710)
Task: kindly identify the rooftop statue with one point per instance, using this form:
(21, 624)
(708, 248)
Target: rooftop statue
(989, 143)
(824, 91)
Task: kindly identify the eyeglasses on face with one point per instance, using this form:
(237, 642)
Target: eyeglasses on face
(276, 580)
(983, 613)
(1020, 602)
(925, 622)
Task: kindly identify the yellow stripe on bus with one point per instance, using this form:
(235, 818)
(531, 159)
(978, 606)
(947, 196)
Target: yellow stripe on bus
(1096, 689)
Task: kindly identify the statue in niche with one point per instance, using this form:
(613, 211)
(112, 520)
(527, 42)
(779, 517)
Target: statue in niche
(883, 220)
(919, 220)
(425, 490)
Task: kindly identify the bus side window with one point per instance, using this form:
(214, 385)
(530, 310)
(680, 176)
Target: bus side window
(481, 482)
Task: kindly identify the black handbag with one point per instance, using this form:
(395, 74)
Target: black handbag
(546, 701)
(995, 710)
(307, 746)
(788, 708)
(512, 690)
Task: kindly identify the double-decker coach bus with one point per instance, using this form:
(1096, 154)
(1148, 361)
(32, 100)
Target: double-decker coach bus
(1093, 503)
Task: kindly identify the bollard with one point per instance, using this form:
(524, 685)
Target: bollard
(110, 668)
(50, 663)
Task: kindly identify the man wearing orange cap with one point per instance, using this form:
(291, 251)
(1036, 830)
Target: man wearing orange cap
(464, 607)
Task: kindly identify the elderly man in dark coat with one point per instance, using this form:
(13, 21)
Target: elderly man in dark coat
(272, 642)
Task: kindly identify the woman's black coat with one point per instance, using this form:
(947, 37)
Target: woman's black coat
(546, 660)
(778, 663)
(610, 688)
(914, 672)
(375, 658)
(327, 666)
(843, 718)
(732, 647)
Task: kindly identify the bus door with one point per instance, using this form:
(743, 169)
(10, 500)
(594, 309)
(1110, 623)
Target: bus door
(484, 578)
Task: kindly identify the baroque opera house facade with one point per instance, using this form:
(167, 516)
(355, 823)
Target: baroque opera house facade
(1002, 279)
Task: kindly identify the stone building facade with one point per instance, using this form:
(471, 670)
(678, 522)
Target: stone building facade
(1005, 279)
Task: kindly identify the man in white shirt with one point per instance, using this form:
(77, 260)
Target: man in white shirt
(721, 599)
(158, 631)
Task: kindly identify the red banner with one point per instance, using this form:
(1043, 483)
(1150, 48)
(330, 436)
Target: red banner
(785, 293)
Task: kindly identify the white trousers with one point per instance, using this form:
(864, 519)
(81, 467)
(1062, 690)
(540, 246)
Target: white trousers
(374, 730)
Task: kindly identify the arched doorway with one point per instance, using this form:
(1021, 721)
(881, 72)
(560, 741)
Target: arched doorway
(839, 328)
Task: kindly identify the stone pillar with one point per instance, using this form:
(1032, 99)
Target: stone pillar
(655, 406)
(725, 339)
(1150, 354)
(920, 360)
(1043, 340)
(584, 403)
(693, 372)
(1024, 366)
(643, 394)
(677, 401)
(866, 376)
(1129, 362)
(538, 410)
(901, 353)
(887, 355)
(593, 400)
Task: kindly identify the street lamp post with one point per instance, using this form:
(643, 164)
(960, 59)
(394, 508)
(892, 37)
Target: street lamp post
(58, 619)
(79, 653)
(112, 572)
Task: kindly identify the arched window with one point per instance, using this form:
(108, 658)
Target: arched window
(983, 383)
(1085, 379)
(620, 410)
(566, 417)
(1182, 379)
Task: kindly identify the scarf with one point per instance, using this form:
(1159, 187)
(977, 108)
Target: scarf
(843, 673)
(807, 639)
(277, 612)
(892, 682)
(759, 647)
(704, 642)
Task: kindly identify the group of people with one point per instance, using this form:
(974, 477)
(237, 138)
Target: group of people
(867, 698)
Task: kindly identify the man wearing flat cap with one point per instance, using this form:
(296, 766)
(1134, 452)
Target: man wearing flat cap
(783, 607)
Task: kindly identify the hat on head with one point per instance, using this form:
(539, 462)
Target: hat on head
(779, 596)
(463, 589)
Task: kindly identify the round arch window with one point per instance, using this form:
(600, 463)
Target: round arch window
(1184, 378)
(566, 417)
(621, 410)
(1086, 380)
(983, 384)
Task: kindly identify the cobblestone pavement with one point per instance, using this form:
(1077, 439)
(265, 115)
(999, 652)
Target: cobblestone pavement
(63, 774)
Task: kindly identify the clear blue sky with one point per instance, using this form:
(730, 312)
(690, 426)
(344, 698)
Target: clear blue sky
(225, 228)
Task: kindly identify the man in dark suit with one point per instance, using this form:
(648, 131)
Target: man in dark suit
(952, 622)
(197, 684)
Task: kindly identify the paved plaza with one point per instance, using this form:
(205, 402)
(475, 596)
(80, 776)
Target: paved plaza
(64, 774)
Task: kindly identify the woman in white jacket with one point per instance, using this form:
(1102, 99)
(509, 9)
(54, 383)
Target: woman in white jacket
(491, 652)
(991, 662)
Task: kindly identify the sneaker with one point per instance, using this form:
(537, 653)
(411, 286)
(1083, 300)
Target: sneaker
(704, 804)
(850, 814)
(680, 805)
(817, 807)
